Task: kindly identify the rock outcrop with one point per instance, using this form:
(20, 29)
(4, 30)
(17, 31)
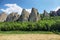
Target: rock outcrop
(45, 14)
(24, 16)
(34, 16)
(58, 12)
(3, 17)
(53, 13)
(13, 16)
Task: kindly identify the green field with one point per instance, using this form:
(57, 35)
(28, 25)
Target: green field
(25, 32)
(28, 32)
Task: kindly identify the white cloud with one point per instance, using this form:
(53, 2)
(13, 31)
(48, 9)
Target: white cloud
(14, 8)
(57, 8)
(29, 10)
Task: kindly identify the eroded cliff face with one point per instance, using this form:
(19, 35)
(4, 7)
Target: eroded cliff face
(13, 16)
(24, 16)
(34, 16)
(3, 17)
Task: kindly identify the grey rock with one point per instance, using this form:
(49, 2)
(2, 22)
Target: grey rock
(13, 16)
(53, 13)
(3, 17)
(45, 14)
(24, 16)
(34, 16)
(58, 12)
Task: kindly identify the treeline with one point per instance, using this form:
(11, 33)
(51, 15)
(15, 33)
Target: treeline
(42, 25)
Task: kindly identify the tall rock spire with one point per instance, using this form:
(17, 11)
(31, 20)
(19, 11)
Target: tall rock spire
(34, 15)
(24, 16)
(45, 14)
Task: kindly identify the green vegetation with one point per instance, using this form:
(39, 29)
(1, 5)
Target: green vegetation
(42, 25)
(25, 32)
(52, 24)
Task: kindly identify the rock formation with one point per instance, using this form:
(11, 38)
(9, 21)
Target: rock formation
(58, 12)
(53, 13)
(12, 17)
(34, 16)
(3, 17)
(45, 14)
(24, 16)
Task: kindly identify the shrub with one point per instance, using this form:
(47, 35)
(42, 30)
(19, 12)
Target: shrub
(42, 25)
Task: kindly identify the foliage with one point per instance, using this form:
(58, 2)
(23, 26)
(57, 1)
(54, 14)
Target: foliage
(42, 25)
(45, 24)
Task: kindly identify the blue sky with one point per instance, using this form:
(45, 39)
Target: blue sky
(41, 5)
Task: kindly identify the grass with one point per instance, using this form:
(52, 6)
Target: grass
(25, 32)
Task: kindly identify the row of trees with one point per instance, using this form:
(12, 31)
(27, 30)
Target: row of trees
(42, 25)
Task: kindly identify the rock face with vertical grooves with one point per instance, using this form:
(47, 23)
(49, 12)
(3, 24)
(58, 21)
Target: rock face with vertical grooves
(3, 17)
(34, 16)
(24, 16)
(13, 16)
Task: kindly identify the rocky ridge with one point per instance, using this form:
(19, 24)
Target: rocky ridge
(25, 16)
